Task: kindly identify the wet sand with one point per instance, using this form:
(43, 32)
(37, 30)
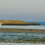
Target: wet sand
(35, 40)
(22, 30)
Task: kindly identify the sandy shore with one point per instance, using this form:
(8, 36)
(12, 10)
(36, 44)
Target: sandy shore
(22, 30)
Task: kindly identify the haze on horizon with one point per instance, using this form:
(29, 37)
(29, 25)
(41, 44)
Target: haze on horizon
(27, 10)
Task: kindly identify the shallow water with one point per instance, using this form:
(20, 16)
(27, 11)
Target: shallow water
(21, 35)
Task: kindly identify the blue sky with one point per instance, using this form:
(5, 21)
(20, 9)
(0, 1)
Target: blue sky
(27, 10)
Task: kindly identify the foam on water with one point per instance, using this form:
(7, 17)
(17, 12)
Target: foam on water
(20, 44)
(24, 27)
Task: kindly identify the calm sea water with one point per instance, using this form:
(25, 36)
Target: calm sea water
(42, 23)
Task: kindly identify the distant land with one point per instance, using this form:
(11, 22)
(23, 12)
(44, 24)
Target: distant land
(41, 23)
(17, 22)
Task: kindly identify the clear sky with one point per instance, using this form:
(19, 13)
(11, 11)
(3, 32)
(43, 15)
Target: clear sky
(27, 10)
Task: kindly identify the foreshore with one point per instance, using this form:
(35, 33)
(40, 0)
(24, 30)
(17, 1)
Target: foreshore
(22, 30)
(21, 35)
